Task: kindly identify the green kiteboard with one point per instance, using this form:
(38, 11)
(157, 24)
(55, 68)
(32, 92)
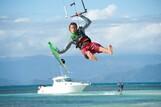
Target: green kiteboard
(57, 56)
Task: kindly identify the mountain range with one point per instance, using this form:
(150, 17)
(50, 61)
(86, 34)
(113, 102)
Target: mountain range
(41, 69)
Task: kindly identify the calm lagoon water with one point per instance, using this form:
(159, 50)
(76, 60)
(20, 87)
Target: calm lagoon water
(96, 95)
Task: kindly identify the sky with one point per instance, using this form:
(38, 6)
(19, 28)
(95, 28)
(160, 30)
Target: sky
(131, 26)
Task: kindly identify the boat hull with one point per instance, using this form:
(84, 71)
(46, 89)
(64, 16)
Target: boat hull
(62, 88)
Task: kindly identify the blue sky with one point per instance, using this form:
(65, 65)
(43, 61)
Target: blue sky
(131, 26)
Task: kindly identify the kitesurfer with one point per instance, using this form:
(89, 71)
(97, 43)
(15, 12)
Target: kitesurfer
(83, 42)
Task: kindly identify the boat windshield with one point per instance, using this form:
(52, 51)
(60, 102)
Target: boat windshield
(59, 80)
(68, 79)
(63, 80)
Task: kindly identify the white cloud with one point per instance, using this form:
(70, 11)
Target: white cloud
(154, 28)
(132, 38)
(140, 37)
(125, 38)
(3, 17)
(2, 34)
(98, 14)
(31, 42)
(126, 16)
(22, 20)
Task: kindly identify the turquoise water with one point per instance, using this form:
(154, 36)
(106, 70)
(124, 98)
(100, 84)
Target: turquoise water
(96, 95)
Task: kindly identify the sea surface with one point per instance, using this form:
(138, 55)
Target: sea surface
(96, 95)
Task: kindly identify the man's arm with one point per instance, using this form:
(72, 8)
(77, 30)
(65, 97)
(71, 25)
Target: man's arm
(87, 22)
(66, 48)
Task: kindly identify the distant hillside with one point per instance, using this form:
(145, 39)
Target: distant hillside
(41, 69)
(149, 73)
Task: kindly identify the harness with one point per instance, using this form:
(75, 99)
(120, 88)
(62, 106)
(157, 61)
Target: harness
(84, 40)
(80, 38)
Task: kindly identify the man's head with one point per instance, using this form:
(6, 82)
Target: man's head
(73, 27)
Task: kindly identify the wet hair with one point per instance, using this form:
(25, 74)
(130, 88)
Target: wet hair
(72, 23)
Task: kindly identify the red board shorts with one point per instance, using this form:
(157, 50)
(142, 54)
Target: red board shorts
(93, 47)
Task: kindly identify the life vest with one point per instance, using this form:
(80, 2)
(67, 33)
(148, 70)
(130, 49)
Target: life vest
(74, 36)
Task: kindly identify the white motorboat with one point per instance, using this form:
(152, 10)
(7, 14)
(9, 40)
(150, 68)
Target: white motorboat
(63, 84)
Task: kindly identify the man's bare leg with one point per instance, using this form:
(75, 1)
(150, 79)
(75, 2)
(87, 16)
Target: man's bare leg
(91, 56)
(107, 50)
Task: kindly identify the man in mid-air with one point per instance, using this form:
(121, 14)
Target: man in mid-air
(83, 42)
